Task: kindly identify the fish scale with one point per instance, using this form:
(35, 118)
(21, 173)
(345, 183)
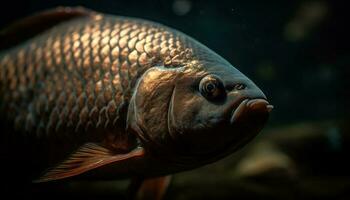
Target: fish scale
(77, 76)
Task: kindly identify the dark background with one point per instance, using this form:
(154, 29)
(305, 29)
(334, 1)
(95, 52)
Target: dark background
(297, 52)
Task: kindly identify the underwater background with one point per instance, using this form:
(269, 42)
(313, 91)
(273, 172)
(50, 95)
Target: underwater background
(297, 52)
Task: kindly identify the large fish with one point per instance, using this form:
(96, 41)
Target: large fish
(89, 94)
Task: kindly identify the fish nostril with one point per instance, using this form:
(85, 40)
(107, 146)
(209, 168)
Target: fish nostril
(239, 86)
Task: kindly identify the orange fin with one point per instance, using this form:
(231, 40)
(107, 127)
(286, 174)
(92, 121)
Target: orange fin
(30, 26)
(87, 157)
(153, 188)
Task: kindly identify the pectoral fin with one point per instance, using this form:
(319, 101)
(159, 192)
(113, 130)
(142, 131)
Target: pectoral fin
(87, 157)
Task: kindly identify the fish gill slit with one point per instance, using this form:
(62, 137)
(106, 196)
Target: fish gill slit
(170, 111)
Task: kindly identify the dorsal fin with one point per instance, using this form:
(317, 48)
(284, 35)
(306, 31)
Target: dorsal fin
(30, 26)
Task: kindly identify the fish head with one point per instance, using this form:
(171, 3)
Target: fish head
(215, 111)
(196, 113)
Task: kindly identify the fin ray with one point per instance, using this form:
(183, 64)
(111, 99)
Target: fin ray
(87, 157)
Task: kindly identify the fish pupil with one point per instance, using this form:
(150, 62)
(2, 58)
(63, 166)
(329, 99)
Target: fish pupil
(210, 87)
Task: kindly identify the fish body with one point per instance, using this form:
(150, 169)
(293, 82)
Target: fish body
(76, 76)
(121, 97)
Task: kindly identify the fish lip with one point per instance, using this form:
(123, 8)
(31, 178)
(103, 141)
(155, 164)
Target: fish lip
(257, 105)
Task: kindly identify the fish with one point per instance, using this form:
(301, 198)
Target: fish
(88, 94)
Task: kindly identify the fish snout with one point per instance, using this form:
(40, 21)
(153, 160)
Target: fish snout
(251, 108)
(259, 105)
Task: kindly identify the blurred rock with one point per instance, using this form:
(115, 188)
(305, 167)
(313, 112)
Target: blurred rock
(266, 161)
(309, 15)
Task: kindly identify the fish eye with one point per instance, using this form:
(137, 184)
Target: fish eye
(212, 88)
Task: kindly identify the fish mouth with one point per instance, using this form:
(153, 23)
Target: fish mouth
(251, 108)
(246, 122)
